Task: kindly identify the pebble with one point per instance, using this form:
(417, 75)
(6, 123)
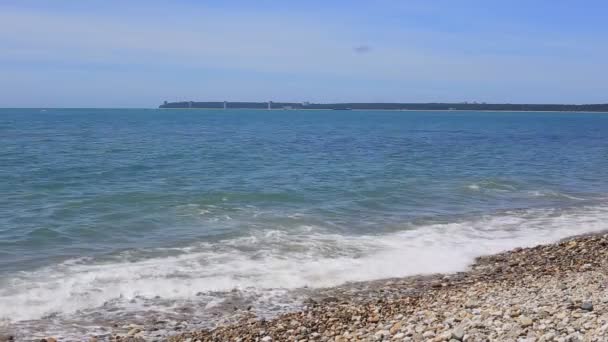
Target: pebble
(458, 334)
(133, 331)
(525, 321)
(471, 304)
(395, 328)
(587, 306)
(428, 334)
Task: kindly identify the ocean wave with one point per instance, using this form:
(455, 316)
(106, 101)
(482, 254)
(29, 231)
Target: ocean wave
(492, 185)
(513, 189)
(270, 260)
(554, 194)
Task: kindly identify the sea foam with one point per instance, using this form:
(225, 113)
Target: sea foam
(270, 260)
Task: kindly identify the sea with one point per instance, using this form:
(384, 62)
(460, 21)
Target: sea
(123, 215)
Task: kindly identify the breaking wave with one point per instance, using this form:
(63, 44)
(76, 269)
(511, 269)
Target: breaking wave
(267, 260)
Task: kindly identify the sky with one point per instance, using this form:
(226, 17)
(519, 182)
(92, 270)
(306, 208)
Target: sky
(109, 53)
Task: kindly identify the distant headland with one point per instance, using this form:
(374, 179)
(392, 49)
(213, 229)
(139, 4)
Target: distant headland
(388, 106)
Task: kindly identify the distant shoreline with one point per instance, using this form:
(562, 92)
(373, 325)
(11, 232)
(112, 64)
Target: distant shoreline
(405, 110)
(44, 109)
(488, 107)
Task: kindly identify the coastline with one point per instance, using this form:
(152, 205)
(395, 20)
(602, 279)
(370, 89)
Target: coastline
(270, 105)
(550, 292)
(553, 292)
(392, 110)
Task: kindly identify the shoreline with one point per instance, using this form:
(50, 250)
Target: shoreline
(393, 110)
(552, 292)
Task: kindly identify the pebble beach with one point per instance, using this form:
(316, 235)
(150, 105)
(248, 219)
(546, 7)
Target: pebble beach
(555, 292)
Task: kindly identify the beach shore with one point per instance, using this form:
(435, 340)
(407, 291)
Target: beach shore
(555, 292)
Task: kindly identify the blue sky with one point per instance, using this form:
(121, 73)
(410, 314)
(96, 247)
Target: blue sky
(75, 53)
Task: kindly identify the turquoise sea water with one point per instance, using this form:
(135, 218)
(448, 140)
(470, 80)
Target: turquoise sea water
(123, 209)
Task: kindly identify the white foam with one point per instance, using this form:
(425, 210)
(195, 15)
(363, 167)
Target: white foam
(550, 193)
(492, 186)
(275, 259)
(473, 186)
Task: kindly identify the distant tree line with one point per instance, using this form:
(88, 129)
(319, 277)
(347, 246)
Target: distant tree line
(392, 106)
